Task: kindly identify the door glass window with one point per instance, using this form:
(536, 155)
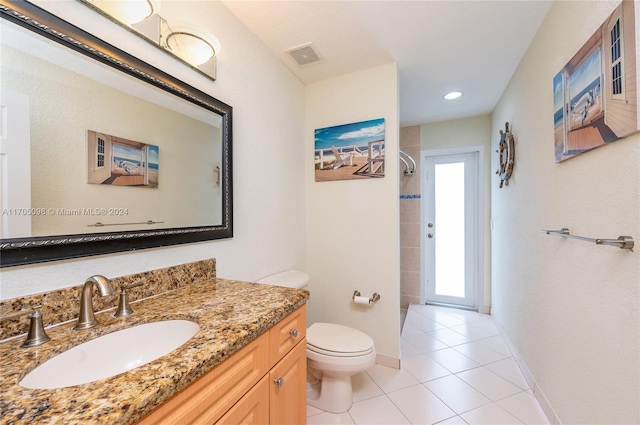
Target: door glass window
(449, 225)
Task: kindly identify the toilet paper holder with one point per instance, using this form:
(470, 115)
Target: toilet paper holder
(374, 298)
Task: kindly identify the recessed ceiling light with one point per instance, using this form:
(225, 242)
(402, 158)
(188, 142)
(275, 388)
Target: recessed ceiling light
(453, 95)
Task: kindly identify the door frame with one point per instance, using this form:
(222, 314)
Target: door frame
(480, 218)
(15, 163)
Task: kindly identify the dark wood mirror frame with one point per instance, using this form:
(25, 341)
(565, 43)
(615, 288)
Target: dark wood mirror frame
(21, 251)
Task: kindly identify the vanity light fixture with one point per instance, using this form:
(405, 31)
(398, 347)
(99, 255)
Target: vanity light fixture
(191, 45)
(129, 11)
(196, 47)
(452, 95)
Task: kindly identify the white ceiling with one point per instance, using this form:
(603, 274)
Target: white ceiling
(473, 46)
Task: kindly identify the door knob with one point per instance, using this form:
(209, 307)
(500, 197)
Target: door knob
(429, 225)
(430, 235)
(278, 382)
(293, 333)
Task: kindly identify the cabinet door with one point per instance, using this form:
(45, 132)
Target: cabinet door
(286, 334)
(252, 409)
(288, 394)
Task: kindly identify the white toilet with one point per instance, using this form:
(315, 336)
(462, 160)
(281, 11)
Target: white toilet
(334, 354)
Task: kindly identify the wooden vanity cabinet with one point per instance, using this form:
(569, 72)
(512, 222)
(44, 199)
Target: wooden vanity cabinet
(252, 409)
(263, 383)
(288, 400)
(286, 334)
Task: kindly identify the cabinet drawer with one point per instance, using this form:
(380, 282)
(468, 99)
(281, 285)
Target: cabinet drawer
(252, 409)
(286, 334)
(208, 398)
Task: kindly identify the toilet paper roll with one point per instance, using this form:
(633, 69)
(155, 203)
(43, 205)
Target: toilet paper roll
(361, 300)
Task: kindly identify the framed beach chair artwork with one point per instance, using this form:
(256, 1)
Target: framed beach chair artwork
(120, 162)
(350, 151)
(596, 93)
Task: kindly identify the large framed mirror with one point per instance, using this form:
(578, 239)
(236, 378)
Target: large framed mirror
(99, 151)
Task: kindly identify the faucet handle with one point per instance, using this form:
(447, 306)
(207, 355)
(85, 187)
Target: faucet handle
(36, 335)
(124, 309)
(124, 287)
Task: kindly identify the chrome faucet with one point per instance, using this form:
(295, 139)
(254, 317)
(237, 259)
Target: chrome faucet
(87, 319)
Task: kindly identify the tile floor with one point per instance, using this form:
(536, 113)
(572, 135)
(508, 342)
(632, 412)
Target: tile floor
(456, 369)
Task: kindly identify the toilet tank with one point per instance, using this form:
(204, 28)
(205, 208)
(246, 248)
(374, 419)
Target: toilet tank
(289, 278)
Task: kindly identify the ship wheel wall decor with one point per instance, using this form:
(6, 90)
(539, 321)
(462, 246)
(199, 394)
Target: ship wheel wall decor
(506, 154)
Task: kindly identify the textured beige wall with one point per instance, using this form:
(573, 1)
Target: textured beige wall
(571, 308)
(353, 225)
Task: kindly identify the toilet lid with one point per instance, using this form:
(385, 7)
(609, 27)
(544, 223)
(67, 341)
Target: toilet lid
(330, 338)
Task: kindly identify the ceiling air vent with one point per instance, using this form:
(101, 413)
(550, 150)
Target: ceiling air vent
(305, 55)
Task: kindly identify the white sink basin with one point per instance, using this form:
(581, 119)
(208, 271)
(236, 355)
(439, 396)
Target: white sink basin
(111, 354)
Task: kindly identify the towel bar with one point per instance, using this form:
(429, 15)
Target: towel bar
(99, 224)
(409, 170)
(622, 242)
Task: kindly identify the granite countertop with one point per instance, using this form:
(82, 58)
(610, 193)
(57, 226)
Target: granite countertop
(230, 314)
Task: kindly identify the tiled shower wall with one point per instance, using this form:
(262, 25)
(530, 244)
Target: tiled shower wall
(410, 230)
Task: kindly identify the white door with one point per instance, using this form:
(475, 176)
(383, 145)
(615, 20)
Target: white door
(450, 213)
(15, 166)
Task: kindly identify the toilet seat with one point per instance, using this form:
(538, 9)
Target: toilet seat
(337, 340)
(337, 353)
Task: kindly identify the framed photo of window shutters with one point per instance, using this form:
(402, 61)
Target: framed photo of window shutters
(596, 92)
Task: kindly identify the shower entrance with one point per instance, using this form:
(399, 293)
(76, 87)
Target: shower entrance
(451, 208)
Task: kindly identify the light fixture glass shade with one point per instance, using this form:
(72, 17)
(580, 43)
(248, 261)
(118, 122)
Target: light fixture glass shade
(130, 11)
(191, 45)
(453, 95)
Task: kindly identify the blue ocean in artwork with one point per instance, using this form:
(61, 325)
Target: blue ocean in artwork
(586, 79)
(119, 160)
(558, 101)
(350, 136)
(153, 157)
(128, 161)
(592, 90)
(588, 94)
(132, 157)
(557, 117)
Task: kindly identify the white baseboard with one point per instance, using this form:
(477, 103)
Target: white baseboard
(537, 391)
(388, 361)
